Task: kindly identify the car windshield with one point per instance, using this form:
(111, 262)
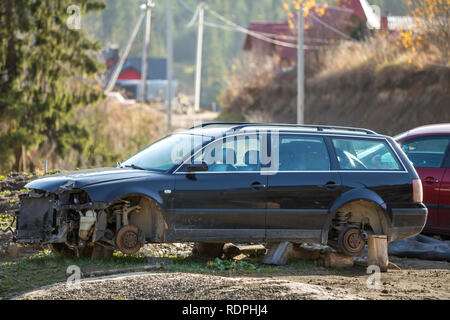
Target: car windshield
(167, 152)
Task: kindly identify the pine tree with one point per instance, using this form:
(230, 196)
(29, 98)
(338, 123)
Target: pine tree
(46, 71)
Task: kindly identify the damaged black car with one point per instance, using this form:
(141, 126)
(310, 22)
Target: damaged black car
(218, 183)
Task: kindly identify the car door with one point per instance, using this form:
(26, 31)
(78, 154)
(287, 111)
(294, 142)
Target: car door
(444, 197)
(427, 154)
(302, 190)
(228, 201)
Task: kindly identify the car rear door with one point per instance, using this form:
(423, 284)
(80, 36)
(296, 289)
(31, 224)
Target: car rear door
(427, 153)
(444, 197)
(302, 190)
(227, 202)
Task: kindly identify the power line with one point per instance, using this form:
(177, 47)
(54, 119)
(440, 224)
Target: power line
(266, 37)
(231, 29)
(186, 6)
(234, 27)
(369, 46)
(251, 33)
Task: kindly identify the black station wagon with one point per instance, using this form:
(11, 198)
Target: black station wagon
(240, 182)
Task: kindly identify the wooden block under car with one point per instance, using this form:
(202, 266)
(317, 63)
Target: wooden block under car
(304, 254)
(337, 260)
(377, 252)
(13, 250)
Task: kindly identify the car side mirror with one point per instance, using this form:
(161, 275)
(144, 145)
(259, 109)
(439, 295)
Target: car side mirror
(197, 167)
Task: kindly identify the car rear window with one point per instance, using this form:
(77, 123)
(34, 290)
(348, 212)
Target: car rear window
(365, 154)
(301, 153)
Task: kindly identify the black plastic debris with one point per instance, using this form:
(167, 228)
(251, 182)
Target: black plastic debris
(421, 247)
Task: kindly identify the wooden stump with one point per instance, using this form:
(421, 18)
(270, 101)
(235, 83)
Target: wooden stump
(253, 250)
(338, 260)
(208, 249)
(304, 254)
(13, 250)
(378, 252)
(231, 250)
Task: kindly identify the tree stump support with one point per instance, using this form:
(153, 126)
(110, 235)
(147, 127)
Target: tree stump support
(378, 252)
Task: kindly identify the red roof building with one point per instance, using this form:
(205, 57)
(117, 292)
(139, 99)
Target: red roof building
(347, 17)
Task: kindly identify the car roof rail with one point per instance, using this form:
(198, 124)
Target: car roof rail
(240, 125)
(205, 124)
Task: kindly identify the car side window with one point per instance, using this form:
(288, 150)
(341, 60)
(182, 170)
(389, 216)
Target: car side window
(365, 154)
(301, 153)
(237, 153)
(426, 152)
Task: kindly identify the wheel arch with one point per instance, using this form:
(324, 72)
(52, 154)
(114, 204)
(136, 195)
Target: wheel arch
(151, 219)
(359, 197)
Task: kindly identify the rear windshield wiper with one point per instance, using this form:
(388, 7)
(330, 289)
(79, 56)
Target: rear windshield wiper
(133, 166)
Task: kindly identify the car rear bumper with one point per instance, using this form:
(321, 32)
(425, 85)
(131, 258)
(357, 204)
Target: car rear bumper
(407, 222)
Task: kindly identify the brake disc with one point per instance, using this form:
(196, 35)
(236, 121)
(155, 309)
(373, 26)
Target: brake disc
(350, 241)
(127, 240)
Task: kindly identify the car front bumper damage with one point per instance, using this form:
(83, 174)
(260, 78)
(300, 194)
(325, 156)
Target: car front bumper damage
(59, 217)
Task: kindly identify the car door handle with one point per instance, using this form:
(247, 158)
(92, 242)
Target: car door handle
(258, 186)
(330, 185)
(431, 180)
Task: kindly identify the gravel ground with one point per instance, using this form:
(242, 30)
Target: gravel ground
(168, 249)
(186, 286)
(417, 280)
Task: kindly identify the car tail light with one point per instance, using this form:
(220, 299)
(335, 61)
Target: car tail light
(417, 190)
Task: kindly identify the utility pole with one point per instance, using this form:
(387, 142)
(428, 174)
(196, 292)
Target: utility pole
(300, 68)
(169, 64)
(198, 72)
(148, 23)
(113, 78)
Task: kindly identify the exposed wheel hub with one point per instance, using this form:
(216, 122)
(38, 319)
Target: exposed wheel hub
(350, 241)
(127, 240)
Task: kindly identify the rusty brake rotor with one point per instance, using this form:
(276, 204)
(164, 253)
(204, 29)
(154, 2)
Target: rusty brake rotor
(351, 241)
(127, 240)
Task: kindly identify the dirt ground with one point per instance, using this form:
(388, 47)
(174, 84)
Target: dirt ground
(417, 279)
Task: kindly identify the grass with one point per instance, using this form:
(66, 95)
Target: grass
(45, 268)
(5, 193)
(5, 220)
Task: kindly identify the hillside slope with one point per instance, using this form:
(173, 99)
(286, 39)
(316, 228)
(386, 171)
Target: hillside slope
(389, 97)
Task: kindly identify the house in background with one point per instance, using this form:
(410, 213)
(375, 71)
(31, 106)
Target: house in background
(316, 34)
(349, 17)
(130, 76)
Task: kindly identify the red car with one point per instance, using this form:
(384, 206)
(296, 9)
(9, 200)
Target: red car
(428, 148)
